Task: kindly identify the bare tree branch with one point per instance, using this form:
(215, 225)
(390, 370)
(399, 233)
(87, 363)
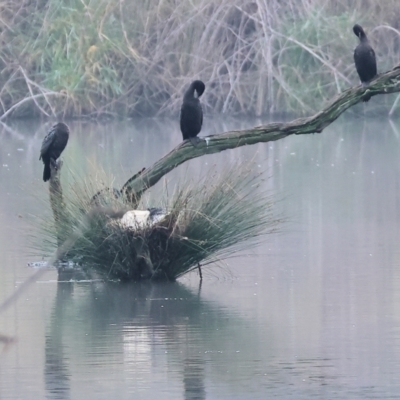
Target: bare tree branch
(386, 83)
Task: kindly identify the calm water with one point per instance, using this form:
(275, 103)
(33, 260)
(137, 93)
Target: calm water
(312, 313)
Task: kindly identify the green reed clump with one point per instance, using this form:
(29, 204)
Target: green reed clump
(108, 57)
(205, 222)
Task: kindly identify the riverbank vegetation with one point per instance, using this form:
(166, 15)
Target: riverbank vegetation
(117, 58)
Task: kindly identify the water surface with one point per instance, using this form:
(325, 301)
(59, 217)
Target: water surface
(314, 312)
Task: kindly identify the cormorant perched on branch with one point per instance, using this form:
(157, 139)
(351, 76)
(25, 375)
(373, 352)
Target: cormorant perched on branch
(191, 112)
(53, 145)
(364, 58)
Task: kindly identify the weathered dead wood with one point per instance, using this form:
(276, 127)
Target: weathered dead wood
(386, 83)
(56, 197)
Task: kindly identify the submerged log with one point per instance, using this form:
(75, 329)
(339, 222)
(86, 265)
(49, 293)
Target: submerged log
(386, 83)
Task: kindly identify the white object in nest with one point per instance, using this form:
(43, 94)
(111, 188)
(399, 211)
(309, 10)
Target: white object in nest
(139, 219)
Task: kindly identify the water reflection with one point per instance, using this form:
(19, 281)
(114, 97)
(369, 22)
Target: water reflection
(193, 379)
(138, 338)
(130, 322)
(313, 314)
(56, 372)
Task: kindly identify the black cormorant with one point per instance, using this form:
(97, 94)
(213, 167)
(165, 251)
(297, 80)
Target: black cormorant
(53, 145)
(364, 58)
(191, 112)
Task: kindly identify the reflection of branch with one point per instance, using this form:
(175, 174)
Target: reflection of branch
(386, 83)
(17, 292)
(56, 368)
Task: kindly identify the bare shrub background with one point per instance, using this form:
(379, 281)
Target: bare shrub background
(125, 58)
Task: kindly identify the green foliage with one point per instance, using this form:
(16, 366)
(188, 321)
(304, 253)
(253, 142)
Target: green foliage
(124, 58)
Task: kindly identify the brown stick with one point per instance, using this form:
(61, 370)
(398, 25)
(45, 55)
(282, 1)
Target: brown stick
(386, 83)
(56, 198)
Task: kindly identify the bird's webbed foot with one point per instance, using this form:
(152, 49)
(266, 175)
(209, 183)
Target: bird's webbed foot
(195, 141)
(55, 164)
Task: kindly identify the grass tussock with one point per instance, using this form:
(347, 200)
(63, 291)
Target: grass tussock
(124, 58)
(206, 221)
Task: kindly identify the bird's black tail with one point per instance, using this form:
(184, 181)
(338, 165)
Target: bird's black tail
(46, 172)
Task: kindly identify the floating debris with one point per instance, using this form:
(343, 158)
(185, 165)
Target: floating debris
(38, 264)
